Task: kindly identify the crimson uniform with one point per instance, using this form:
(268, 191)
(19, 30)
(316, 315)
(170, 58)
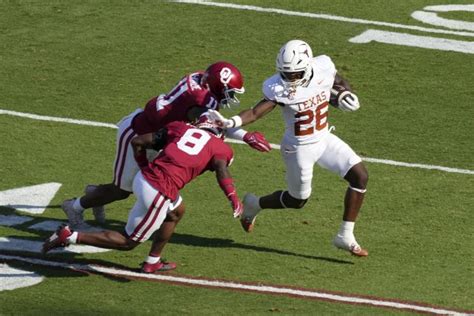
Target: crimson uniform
(158, 112)
(189, 152)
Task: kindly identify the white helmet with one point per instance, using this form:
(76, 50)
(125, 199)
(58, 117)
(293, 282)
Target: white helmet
(294, 63)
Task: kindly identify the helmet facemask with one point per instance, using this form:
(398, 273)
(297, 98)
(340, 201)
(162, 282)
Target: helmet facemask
(292, 80)
(230, 97)
(209, 125)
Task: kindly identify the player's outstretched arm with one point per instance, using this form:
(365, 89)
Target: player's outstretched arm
(260, 110)
(227, 185)
(342, 96)
(245, 117)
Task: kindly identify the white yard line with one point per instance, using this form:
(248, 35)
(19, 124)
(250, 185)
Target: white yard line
(322, 16)
(275, 146)
(232, 285)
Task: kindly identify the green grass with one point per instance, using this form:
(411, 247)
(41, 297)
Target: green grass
(99, 60)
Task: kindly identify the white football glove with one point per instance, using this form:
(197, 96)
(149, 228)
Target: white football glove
(221, 121)
(348, 102)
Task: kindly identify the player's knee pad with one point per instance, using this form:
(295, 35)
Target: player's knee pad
(290, 202)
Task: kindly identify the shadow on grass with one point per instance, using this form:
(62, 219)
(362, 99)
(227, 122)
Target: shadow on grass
(199, 241)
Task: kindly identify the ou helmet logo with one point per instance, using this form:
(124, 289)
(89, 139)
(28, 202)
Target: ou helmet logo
(226, 75)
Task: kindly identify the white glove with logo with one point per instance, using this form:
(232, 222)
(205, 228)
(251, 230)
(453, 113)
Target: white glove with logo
(348, 102)
(221, 121)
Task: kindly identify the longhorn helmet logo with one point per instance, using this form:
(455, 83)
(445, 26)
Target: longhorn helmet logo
(226, 75)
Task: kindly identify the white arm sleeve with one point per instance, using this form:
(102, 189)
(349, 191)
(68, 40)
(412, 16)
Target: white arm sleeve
(235, 133)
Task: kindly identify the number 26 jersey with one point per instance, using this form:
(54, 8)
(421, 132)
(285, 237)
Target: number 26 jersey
(305, 109)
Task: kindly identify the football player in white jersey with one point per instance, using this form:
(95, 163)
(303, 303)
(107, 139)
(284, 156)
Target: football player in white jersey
(304, 87)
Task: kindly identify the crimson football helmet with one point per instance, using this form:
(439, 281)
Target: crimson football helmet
(204, 122)
(224, 80)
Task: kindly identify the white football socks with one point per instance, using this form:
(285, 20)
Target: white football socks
(346, 229)
(152, 259)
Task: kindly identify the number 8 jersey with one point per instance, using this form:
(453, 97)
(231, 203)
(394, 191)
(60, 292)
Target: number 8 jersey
(188, 153)
(305, 109)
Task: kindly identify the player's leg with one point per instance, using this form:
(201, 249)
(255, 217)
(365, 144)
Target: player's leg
(299, 161)
(341, 159)
(357, 177)
(144, 219)
(154, 262)
(103, 194)
(96, 197)
(106, 239)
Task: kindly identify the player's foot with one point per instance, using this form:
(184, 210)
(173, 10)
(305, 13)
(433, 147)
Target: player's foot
(75, 218)
(351, 245)
(251, 209)
(58, 239)
(98, 211)
(160, 266)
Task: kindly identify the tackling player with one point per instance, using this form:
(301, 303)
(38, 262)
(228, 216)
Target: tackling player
(217, 87)
(187, 152)
(303, 88)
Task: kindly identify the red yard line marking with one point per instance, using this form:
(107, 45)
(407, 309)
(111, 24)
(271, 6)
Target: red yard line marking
(304, 293)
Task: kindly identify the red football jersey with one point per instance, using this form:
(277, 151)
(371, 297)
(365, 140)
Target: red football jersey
(175, 105)
(188, 153)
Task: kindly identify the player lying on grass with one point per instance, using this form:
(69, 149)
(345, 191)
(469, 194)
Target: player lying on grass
(303, 88)
(194, 94)
(187, 151)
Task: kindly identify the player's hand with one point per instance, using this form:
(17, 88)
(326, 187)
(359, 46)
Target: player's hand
(257, 141)
(220, 120)
(236, 205)
(348, 102)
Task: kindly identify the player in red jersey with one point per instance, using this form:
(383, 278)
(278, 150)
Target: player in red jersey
(188, 152)
(194, 94)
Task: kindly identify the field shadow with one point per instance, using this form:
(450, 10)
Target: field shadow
(199, 241)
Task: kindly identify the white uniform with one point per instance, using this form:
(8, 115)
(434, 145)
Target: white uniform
(307, 139)
(149, 210)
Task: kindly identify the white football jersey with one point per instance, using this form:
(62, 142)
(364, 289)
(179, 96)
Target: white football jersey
(305, 110)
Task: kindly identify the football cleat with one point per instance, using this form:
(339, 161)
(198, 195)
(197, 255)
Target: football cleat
(75, 218)
(58, 239)
(251, 209)
(98, 211)
(160, 266)
(351, 245)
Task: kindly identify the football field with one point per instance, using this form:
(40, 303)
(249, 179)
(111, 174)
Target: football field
(69, 71)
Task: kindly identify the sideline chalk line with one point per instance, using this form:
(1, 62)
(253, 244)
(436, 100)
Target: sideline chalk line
(256, 288)
(274, 146)
(322, 16)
